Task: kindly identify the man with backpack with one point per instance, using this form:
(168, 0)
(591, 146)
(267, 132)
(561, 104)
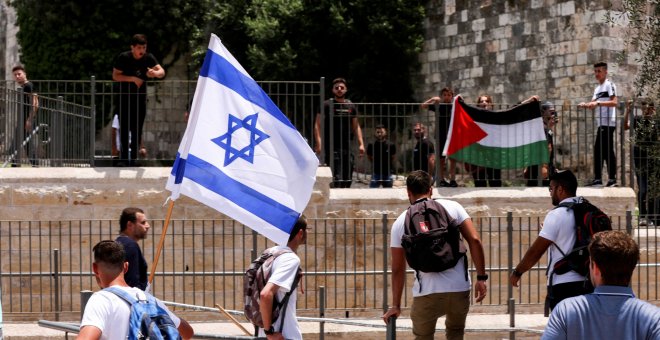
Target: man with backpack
(442, 282)
(567, 266)
(108, 315)
(276, 302)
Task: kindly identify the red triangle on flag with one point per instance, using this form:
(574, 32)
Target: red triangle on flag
(464, 131)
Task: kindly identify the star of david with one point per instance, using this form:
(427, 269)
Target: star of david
(247, 152)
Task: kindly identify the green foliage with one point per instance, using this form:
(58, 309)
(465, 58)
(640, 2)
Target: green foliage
(642, 19)
(373, 44)
(73, 40)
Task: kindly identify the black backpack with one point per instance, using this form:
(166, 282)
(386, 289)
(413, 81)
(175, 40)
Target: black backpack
(431, 240)
(588, 221)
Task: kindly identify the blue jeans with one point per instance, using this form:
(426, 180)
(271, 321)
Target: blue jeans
(377, 180)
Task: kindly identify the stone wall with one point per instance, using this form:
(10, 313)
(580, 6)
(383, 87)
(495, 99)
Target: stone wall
(515, 49)
(100, 193)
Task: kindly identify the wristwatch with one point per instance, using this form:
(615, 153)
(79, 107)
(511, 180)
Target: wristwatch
(482, 277)
(516, 273)
(269, 331)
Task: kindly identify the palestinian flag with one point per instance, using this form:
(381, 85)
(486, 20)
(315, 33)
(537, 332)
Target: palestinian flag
(507, 139)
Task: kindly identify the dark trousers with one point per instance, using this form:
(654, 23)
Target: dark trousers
(604, 152)
(132, 112)
(342, 169)
(562, 291)
(645, 167)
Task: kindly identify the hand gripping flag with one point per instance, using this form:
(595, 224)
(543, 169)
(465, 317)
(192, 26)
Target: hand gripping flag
(240, 154)
(507, 139)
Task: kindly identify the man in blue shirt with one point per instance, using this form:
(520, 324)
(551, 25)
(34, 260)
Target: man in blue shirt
(611, 311)
(134, 227)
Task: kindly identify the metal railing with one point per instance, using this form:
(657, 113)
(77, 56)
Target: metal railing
(45, 264)
(43, 131)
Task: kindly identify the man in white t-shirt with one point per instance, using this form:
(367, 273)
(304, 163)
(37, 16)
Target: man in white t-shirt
(106, 315)
(604, 101)
(445, 293)
(558, 232)
(283, 274)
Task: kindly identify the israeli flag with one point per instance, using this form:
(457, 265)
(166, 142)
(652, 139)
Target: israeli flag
(240, 154)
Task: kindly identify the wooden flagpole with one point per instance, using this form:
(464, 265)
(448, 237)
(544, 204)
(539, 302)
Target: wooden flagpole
(161, 242)
(233, 320)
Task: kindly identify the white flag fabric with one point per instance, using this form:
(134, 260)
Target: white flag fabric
(240, 154)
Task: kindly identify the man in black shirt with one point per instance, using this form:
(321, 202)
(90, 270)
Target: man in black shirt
(340, 130)
(381, 154)
(131, 70)
(424, 152)
(30, 105)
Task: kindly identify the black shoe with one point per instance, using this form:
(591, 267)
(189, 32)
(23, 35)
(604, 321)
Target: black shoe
(453, 184)
(444, 183)
(612, 183)
(595, 183)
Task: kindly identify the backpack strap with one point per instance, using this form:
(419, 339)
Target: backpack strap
(285, 300)
(124, 295)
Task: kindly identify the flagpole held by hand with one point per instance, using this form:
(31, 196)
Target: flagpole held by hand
(233, 320)
(161, 242)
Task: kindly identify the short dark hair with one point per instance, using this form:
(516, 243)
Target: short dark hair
(446, 89)
(380, 126)
(18, 67)
(419, 182)
(301, 224)
(339, 80)
(546, 105)
(566, 179)
(616, 255)
(601, 64)
(139, 39)
(109, 254)
(128, 215)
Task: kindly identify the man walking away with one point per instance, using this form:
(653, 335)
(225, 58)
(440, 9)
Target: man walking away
(436, 294)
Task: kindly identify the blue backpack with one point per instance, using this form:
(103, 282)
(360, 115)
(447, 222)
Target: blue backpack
(147, 320)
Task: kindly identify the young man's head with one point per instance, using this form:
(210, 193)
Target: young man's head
(381, 132)
(300, 225)
(600, 71)
(548, 112)
(109, 261)
(133, 223)
(138, 46)
(614, 256)
(419, 130)
(446, 95)
(19, 74)
(418, 184)
(339, 88)
(563, 185)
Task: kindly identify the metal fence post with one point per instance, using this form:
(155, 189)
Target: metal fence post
(56, 283)
(92, 123)
(629, 227)
(509, 236)
(58, 132)
(84, 297)
(390, 334)
(321, 312)
(512, 318)
(321, 119)
(385, 265)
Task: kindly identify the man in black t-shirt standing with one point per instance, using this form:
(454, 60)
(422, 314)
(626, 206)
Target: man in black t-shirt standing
(381, 154)
(424, 152)
(131, 70)
(442, 105)
(30, 105)
(340, 130)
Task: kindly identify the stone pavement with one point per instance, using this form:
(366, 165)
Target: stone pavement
(479, 326)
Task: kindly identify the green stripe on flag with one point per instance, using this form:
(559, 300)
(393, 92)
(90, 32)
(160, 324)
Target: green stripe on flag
(504, 158)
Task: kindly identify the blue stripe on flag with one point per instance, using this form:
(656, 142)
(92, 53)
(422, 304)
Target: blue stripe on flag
(219, 69)
(260, 205)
